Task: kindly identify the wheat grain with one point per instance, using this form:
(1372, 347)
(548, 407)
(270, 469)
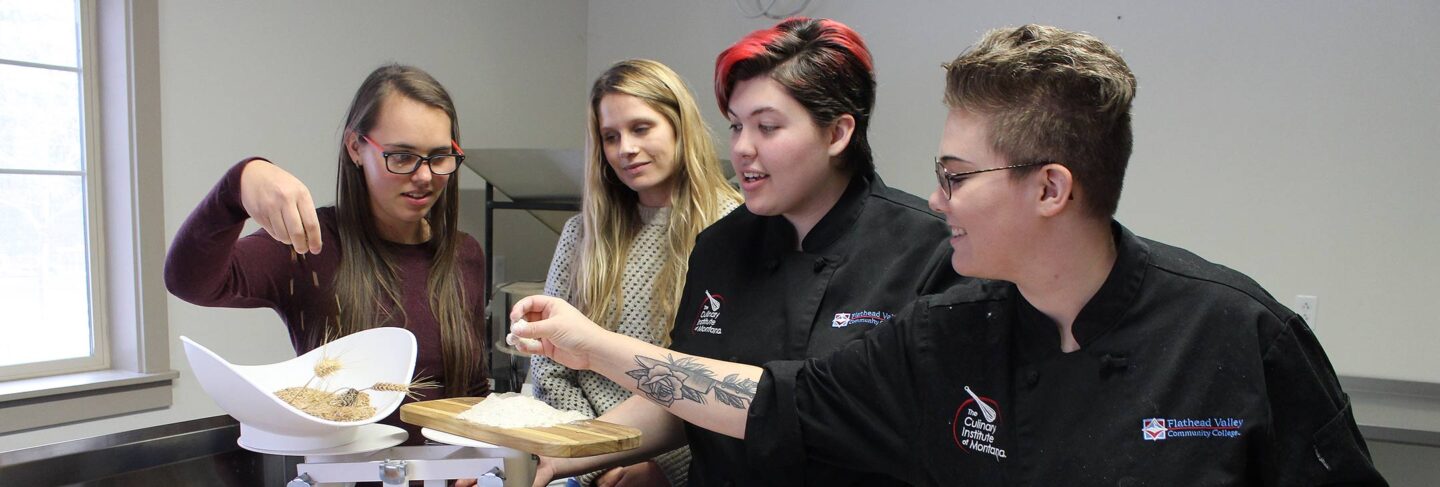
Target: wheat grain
(349, 405)
(327, 366)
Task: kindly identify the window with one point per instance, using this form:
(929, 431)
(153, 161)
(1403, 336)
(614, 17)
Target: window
(46, 264)
(83, 332)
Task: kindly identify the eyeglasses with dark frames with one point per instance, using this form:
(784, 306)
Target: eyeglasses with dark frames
(948, 179)
(401, 162)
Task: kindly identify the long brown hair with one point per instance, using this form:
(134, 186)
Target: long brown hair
(367, 287)
(611, 210)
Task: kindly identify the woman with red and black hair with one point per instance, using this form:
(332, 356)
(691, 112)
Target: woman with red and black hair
(821, 252)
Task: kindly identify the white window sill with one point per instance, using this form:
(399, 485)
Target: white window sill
(47, 401)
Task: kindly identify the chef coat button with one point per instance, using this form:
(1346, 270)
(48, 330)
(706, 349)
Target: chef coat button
(1032, 378)
(819, 264)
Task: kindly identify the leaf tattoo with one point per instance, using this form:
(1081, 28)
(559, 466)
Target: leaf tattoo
(736, 392)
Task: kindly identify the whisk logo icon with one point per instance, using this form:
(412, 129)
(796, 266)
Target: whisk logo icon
(709, 313)
(976, 425)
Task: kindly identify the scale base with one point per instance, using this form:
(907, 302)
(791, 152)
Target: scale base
(434, 464)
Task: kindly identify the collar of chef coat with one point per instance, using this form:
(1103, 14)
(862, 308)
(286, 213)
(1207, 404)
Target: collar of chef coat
(837, 222)
(1039, 336)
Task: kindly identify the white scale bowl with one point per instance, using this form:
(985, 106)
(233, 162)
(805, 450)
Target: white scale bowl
(268, 424)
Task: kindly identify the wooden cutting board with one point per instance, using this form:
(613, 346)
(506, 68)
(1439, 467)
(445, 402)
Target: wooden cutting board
(580, 439)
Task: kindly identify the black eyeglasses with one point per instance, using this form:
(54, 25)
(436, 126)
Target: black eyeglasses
(947, 179)
(407, 162)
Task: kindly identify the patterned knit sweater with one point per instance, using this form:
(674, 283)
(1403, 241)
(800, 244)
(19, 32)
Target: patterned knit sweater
(588, 392)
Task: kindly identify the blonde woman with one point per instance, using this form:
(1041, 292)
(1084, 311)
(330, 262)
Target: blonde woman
(652, 183)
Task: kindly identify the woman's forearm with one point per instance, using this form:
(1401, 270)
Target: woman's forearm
(711, 394)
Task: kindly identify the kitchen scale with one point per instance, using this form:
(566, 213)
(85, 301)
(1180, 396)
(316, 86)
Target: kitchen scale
(339, 452)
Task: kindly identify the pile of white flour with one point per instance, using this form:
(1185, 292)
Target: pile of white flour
(511, 410)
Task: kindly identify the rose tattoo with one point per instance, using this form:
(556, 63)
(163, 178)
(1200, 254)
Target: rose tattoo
(666, 381)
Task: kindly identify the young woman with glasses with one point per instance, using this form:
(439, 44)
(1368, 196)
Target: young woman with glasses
(392, 253)
(821, 253)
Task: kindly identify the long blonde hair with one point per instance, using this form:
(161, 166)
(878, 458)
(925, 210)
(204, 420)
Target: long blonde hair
(367, 287)
(610, 210)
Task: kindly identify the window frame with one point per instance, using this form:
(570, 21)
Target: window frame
(120, 45)
(99, 356)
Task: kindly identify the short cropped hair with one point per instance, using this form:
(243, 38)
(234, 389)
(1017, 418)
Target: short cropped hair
(1051, 95)
(823, 64)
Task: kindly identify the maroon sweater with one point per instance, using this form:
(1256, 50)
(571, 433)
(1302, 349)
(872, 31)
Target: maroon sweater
(210, 264)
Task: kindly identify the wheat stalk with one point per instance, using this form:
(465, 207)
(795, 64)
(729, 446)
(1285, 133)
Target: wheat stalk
(409, 389)
(327, 366)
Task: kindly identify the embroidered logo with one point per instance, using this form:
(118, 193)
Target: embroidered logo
(1157, 429)
(1153, 429)
(976, 426)
(842, 320)
(709, 312)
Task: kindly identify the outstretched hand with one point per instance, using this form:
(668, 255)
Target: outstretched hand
(281, 204)
(545, 325)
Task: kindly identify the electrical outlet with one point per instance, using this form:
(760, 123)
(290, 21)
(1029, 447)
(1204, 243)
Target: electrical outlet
(1305, 306)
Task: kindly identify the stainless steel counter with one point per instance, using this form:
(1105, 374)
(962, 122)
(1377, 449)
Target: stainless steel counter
(196, 452)
(204, 452)
(1395, 411)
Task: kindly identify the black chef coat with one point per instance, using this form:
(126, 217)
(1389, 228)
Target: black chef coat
(751, 297)
(1188, 373)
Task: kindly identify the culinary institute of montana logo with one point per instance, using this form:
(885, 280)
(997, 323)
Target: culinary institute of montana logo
(709, 312)
(976, 425)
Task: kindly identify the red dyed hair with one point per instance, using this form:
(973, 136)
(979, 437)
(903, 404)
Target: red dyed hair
(762, 41)
(823, 64)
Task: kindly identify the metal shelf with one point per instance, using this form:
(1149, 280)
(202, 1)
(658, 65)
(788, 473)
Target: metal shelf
(547, 184)
(539, 181)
